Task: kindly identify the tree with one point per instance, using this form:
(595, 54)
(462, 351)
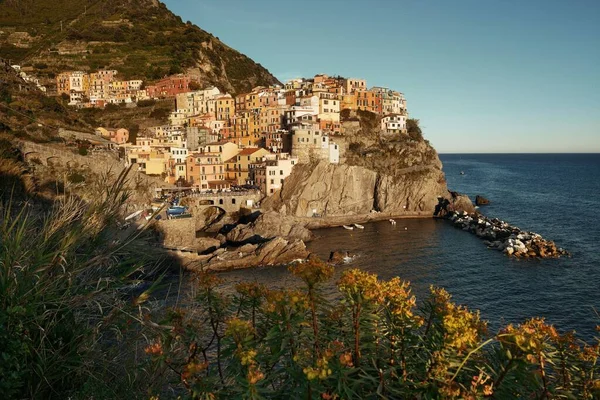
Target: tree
(413, 129)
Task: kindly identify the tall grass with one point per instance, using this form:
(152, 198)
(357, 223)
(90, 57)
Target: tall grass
(62, 275)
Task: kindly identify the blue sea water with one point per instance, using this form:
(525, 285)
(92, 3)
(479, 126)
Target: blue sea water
(556, 195)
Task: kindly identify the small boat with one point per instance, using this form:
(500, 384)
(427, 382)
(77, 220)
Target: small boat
(348, 227)
(132, 216)
(462, 172)
(359, 226)
(176, 210)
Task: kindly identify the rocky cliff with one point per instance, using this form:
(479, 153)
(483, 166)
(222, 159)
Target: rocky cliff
(400, 175)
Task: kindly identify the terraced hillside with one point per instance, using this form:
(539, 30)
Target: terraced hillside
(140, 38)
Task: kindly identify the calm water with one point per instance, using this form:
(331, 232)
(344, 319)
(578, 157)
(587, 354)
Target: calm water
(557, 196)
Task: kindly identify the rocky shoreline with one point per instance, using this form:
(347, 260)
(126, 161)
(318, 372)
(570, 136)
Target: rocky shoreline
(501, 236)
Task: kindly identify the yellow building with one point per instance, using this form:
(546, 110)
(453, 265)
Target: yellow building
(225, 148)
(157, 163)
(237, 167)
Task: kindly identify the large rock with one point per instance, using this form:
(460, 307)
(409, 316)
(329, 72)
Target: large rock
(268, 226)
(386, 185)
(325, 189)
(206, 244)
(481, 201)
(277, 251)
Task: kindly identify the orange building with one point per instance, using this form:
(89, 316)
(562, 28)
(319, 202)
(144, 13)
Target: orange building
(204, 168)
(367, 100)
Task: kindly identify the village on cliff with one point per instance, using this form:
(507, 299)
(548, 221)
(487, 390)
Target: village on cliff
(215, 141)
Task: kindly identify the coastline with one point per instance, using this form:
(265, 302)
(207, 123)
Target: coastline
(313, 223)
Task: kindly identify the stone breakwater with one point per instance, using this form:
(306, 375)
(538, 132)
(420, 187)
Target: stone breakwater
(501, 236)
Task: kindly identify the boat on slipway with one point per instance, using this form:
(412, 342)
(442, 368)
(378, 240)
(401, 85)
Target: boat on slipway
(348, 227)
(359, 226)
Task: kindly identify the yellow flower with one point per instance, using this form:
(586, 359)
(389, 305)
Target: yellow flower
(239, 330)
(312, 272)
(358, 285)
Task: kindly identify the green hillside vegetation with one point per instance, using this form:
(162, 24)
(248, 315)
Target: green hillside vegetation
(140, 38)
(26, 113)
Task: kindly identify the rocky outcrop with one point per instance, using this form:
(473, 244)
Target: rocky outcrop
(396, 174)
(340, 257)
(481, 201)
(500, 235)
(330, 190)
(268, 226)
(277, 251)
(325, 189)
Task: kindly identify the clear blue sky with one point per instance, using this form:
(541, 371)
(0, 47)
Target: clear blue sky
(481, 75)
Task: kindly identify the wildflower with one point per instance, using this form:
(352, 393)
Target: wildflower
(462, 328)
(251, 290)
(346, 359)
(358, 285)
(239, 330)
(254, 374)
(154, 349)
(285, 302)
(312, 272)
(319, 371)
(207, 280)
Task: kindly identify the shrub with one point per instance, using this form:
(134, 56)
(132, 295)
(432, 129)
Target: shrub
(413, 129)
(75, 177)
(82, 151)
(146, 103)
(374, 342)
(61, 285)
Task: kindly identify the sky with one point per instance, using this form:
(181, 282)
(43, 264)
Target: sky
(482, 76)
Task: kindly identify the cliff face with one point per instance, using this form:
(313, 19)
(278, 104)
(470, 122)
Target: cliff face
(326, 189)
(399, 174)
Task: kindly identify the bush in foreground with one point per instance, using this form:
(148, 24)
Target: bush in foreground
(371, 343)
(63, 291)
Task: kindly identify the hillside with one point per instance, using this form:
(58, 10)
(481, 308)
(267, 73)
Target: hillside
(140, 38)
(26, 112)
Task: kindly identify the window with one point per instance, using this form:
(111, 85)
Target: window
(272, 181)
(233, 200)
(280, 172)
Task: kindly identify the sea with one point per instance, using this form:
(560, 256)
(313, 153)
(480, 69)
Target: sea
(556, 195)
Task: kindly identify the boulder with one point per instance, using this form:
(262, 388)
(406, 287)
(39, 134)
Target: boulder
(277, 251)
(481, 201)
(206, 244)
(267, 226)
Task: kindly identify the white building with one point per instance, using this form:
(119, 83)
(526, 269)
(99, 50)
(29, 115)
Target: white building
(179, 154)
(394, 123)
(269, 174)
(76, 81)
(196, 102)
